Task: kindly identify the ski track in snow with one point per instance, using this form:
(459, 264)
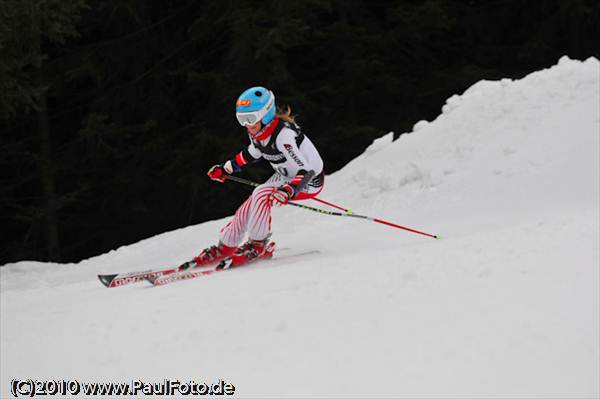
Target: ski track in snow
(506, 304)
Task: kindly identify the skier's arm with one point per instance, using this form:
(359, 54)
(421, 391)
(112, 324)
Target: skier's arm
(248, 155)
(288, 191)
(286, 143)
(244, 157)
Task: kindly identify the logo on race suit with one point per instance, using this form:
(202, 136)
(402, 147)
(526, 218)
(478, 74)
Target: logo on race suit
(243, 103)
(274, 157)
(293, 155)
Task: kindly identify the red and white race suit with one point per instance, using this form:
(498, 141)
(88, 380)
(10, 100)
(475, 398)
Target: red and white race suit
(289, 152)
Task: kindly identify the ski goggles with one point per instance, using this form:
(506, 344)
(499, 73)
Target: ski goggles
(250, 118)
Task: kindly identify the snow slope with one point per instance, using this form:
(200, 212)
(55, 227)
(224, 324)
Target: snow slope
(507, 304)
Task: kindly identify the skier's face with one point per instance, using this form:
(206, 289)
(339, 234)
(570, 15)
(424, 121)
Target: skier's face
(253, 129)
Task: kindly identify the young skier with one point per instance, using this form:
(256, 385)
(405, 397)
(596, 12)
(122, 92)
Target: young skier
(276, 138)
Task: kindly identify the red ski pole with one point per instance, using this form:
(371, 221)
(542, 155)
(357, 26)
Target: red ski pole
(347, 212)
(400, 227)
(331, 205)
(354, 215)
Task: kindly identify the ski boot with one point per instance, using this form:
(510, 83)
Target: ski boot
(210, 255)
(252, 250)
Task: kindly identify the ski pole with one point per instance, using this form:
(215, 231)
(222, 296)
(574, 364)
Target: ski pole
(331, 205)
(354, 215)
(346, 214)
(251, 183)
(240, 180)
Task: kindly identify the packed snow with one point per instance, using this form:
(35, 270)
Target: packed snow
(506, 304)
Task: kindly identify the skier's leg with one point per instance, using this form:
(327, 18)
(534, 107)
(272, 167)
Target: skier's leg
(253, 216)
(233, 232)
(259, 223)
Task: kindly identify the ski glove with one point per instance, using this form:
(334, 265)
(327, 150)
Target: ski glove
(282, 195)
(285, 193)
(219, 172)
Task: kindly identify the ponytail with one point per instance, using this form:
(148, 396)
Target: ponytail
(286, 116)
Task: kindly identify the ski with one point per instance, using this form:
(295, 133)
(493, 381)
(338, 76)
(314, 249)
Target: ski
(121, 279)
(225, 264)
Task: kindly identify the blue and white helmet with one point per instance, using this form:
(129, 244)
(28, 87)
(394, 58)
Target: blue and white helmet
(255, 104)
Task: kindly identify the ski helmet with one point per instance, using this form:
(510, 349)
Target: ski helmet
(255, 104)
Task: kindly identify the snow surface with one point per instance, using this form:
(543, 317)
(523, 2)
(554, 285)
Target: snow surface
(507, 304)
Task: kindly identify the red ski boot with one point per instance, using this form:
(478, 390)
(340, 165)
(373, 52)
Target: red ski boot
(214, 254)
(252, 250)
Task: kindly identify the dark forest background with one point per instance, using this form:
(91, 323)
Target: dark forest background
(113, 110)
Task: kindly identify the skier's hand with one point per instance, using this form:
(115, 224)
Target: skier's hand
(282, 195)
(217, 173)
(220, 172)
